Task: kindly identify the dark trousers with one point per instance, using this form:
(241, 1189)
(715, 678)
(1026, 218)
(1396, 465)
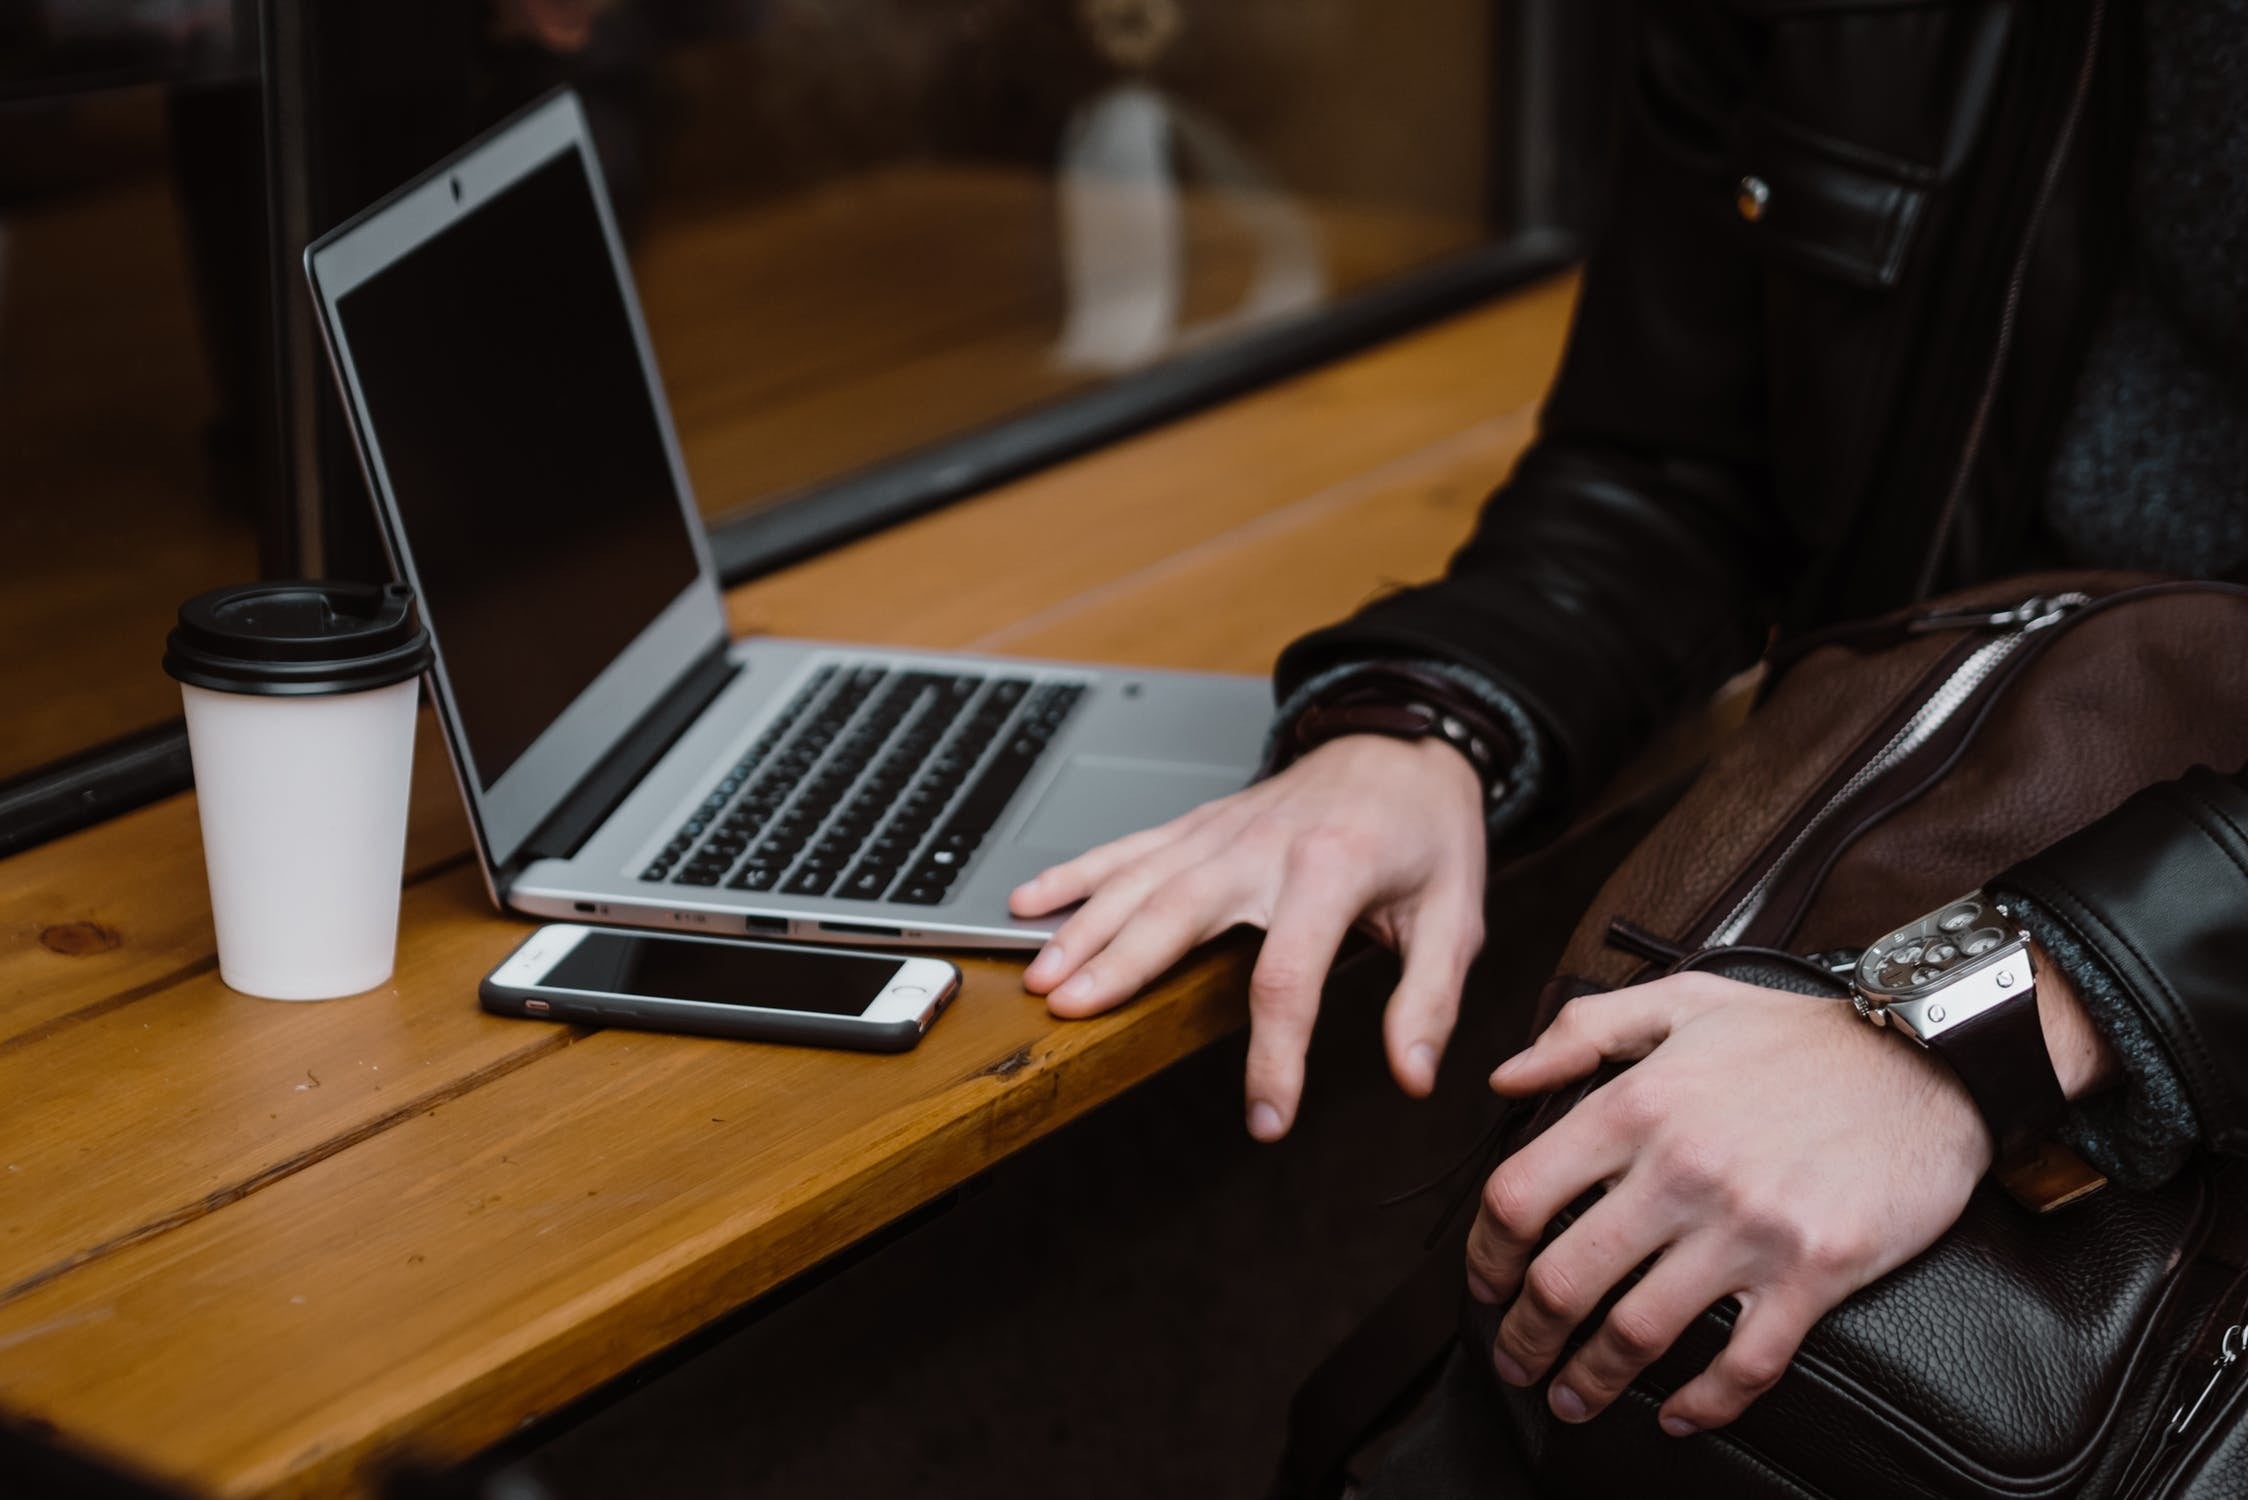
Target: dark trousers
(1454, 1446)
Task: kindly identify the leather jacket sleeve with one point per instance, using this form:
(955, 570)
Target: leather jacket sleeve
(1625, 569)
(2158, 891)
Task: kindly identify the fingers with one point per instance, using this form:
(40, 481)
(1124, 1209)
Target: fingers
(1570, 1278)
(1644, 1322)
(1765, 1337)
(1445, 937)
(1073, 880)
(1137, 926)
(1528, 1189)
(1310, 917)
(1127, 880)
(1619, 1025)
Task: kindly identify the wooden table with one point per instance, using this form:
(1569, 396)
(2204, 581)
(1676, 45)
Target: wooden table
(261, 1248)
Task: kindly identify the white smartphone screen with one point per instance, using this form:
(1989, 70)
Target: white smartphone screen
(667, 968)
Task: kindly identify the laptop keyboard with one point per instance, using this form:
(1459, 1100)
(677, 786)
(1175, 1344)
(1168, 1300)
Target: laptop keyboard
(871, 785)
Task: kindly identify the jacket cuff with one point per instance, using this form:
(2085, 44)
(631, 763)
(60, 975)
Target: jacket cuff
(2156, 895)
(1525, 772)
(2141, 1132)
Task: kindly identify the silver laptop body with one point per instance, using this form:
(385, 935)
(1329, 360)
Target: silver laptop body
(621, 759)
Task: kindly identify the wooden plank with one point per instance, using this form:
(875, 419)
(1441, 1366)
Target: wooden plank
(123, 903)
(1127, 507)
(476, 1265)
(1315, 560)
(111, 915)
(143, 1117)
(534, 1290)
(91, 917)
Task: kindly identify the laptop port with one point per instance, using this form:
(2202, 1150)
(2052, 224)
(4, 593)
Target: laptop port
(776, 925)
(862, 929)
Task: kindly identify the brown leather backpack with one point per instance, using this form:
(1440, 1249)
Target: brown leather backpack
(1890, 766)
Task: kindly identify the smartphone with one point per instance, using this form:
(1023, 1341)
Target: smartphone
(764, 992)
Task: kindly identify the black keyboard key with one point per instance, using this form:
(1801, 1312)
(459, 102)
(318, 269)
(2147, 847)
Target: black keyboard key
(928, 873)
(865, 884)
(756, 877)
(699, 877)
(916, 894)
(657, 871)
(810, 881)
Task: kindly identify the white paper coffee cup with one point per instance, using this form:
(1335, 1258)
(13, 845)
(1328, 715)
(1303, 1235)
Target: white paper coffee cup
(300, 701)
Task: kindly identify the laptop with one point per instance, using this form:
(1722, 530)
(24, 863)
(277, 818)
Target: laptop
(621, 758)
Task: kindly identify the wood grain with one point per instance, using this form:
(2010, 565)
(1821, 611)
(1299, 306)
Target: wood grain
(263, 1248)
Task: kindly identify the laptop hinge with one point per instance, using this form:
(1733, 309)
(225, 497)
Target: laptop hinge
(596, 796)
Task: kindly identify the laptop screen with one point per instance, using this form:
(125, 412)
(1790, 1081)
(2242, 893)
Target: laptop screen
(523, 451)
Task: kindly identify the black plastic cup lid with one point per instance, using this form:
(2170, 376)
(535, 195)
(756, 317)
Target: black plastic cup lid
(298, 639)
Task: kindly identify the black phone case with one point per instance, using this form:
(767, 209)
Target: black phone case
(687, 1018)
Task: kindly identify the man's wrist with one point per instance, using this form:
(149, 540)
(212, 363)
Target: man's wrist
(1409, 703)
(2082, 1058)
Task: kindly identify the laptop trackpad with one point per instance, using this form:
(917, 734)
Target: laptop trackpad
(1099, 797)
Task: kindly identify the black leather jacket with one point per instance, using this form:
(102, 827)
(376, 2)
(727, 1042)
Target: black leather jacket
(1824, 399)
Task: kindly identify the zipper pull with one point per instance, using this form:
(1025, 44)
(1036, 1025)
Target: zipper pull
(2034, 613)
(2228, 1355)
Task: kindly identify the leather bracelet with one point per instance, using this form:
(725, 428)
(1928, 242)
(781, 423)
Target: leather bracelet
(1404, 703)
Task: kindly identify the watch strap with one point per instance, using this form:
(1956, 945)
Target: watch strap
(2001, 1057)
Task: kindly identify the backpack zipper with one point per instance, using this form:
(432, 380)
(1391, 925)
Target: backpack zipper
(1961, 688)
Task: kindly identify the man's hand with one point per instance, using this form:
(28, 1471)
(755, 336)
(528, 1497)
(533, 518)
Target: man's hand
(1767, 1146)
(1361, 830)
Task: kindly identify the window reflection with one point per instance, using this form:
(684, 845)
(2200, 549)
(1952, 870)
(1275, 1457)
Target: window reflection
(132, 305)
(865, 226)
(860, 228)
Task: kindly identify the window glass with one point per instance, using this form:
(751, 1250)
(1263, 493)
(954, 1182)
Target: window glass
(869, 235)
(861, 227)
(132, 306)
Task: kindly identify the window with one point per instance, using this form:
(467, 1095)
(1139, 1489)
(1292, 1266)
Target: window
(890, 252)
(134, 394)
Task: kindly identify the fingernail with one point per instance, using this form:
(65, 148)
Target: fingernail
(1679, 1427)
(1264, 1121)
(1044, 960)
(1509, 1371)
(1481, 1291)
(1080, 987)
(1423, 1058)
(1567, 1404)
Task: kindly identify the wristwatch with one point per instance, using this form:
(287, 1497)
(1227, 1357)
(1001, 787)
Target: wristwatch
(1960, 982)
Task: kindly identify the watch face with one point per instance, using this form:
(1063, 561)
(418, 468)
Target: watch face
(1941, 946)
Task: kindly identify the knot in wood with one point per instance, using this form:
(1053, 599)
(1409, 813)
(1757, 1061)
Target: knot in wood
(77, 939)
